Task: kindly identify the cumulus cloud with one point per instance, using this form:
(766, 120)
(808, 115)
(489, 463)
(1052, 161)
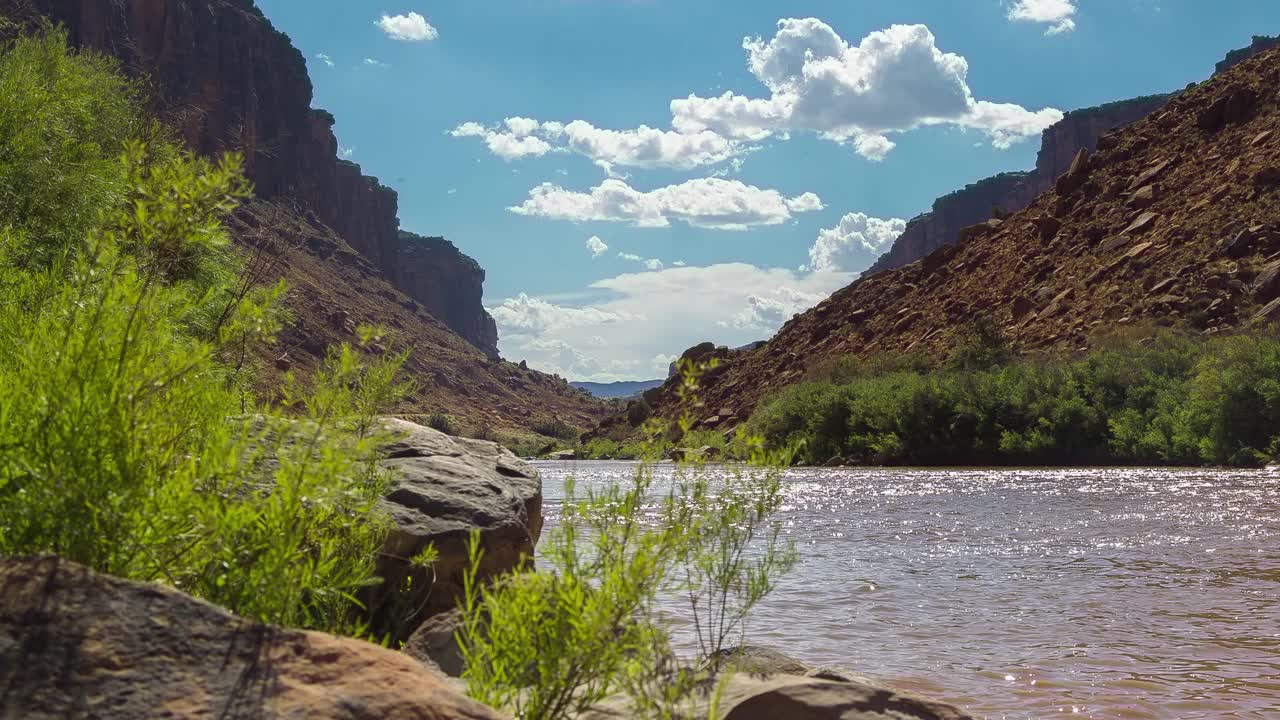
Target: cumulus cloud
(411, 27)
(524, 315)
(1055, 13)
(641, 147)
(515, 139)
(596, 246)
(893, 81)
(713, 203)
(629, 335)
(649, 263)
(855, 240)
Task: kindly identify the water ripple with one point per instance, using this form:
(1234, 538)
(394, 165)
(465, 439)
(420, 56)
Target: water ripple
(1030, 593)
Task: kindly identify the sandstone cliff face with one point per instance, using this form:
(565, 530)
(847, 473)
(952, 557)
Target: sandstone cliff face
(448, 283)
(1010, 192)
(227, 80)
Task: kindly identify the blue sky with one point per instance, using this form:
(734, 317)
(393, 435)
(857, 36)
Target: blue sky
(785, 162)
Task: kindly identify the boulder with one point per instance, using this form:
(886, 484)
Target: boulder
(435, 644)
(1267, 286)
(1076, 175)
(77, 644)
(764, 684)
(446, 487)
(563, 455)
(1143, 197)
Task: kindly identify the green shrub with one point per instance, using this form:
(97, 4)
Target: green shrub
(558, 429)
(126, 444)
(1162, 398)
(551, 644)
(441, 422)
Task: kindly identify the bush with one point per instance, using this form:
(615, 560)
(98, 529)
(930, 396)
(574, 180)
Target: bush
(1163, 398)
(441, 422)
(128, 445)
(549, 645)
(558, 429)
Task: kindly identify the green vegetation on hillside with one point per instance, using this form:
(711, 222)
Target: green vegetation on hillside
(128, 439)
(1165, 399)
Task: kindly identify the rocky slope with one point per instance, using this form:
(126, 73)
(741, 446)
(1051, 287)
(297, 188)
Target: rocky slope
(333, 289)
(1009, 192)
(227, 80)
(224, 78)
(1175, 220)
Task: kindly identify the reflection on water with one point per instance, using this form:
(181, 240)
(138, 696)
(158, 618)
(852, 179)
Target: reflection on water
(1116, 593)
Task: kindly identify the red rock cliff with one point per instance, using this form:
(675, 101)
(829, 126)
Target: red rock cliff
(226, 79)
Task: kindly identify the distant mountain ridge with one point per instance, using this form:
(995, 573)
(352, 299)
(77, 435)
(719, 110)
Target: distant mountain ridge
(620, 389)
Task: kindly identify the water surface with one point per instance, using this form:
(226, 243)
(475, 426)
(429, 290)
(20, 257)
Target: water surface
(1099, 593)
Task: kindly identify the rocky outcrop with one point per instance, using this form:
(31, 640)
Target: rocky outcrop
(226, 79)
(76, 644)
(1260, 44)
(449, 284)
(445, 489)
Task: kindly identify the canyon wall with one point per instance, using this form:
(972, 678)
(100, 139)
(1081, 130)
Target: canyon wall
(222, 76)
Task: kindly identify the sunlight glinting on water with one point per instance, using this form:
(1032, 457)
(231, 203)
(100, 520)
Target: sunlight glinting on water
(1031, 593)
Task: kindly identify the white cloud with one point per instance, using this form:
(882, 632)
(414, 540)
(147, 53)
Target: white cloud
(649, 263)
(346, 152)
(524, 315)
(375, 63)
(1055, 13)
(630, 335)
(407, 28)
(893, 81)
(853, 243)
(325, 59)
(512, 143)
(596, 246)
(646, 147)
(642, 147)
(713, 203)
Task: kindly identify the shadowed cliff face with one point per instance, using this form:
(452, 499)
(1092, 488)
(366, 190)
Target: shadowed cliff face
(227, 80)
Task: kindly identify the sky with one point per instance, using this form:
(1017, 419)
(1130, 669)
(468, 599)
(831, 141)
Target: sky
(639, 176)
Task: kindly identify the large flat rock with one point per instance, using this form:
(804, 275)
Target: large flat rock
(77, 644)
(446, 488)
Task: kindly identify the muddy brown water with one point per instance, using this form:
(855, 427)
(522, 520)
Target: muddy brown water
(1028, 593)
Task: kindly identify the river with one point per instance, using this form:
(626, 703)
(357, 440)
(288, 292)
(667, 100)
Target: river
(1028, 593)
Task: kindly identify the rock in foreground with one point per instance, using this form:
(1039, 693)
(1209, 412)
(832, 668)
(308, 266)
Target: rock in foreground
(446, 488)
(766, 685)
(76, 644)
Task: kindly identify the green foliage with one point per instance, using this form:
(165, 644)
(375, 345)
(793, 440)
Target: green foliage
(558, 429)
(551, 644)
(64, 122)
(125, 441)
(443, 423)
(638, 411)
(1166, 398)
